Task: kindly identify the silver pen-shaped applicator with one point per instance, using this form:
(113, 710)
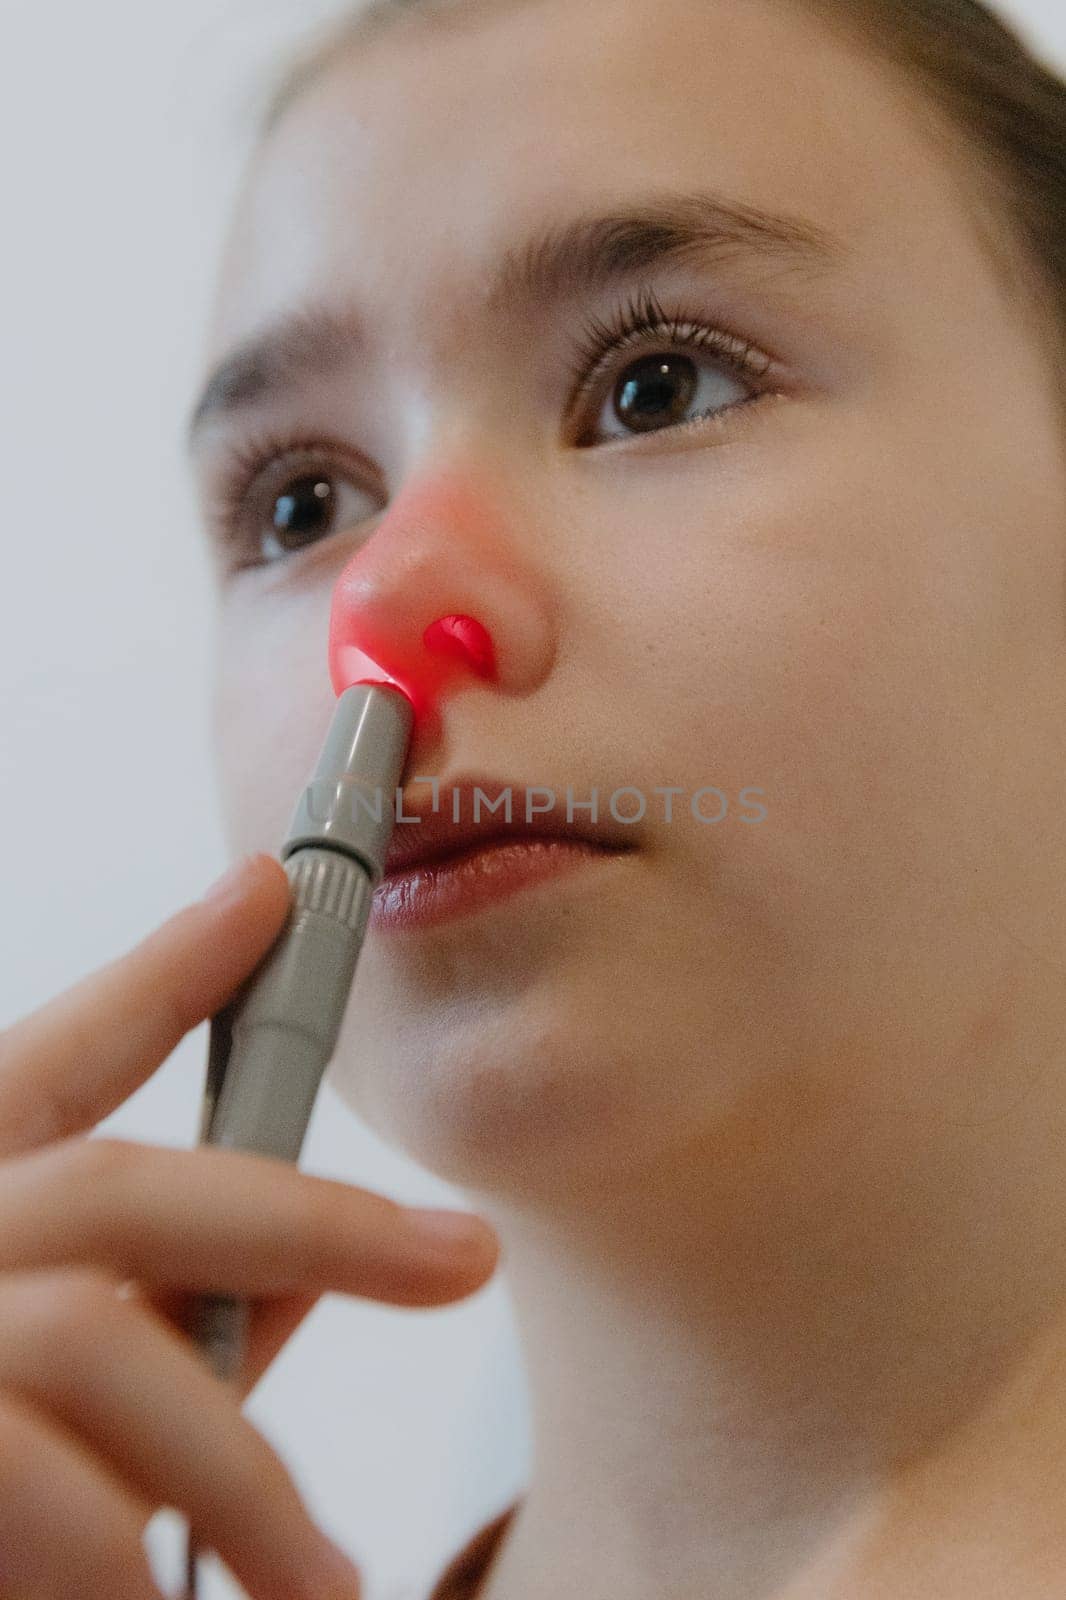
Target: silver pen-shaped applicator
(269, 1047)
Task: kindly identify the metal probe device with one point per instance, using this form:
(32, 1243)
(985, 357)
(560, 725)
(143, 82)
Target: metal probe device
(270, 1045)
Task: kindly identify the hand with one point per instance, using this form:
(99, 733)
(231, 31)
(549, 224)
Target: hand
(107, 1409)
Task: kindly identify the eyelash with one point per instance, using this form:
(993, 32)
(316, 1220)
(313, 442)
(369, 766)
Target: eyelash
(640, 322)
(643, 321)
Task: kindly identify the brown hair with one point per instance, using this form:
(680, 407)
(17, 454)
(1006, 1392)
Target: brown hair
(998, 112)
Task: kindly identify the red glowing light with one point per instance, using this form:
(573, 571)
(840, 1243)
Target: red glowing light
(398, 614)
(453, 647)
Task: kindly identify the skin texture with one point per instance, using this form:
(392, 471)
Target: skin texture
(768, 1117)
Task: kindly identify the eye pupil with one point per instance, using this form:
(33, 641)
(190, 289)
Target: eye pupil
(653, 384)
(304, 512)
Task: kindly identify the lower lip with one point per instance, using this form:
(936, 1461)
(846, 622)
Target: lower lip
(435, 891)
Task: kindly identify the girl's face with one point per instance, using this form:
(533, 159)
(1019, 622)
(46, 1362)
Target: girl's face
(828, 587)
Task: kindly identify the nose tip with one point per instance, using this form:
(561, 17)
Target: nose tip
(440, 600)
(454, 646)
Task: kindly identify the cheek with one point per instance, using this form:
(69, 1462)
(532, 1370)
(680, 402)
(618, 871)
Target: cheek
(812, 632)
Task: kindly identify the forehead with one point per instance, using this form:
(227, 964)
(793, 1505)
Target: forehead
(427, 150)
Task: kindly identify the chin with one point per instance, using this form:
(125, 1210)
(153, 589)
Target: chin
(514, 1099)
(571, 1049)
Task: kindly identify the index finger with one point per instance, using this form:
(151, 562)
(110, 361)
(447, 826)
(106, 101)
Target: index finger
(73, 1060)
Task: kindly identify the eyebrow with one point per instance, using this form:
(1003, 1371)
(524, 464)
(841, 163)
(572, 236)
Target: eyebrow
(583, 255)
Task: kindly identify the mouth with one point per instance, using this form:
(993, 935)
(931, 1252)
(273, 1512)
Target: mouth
(454, 861)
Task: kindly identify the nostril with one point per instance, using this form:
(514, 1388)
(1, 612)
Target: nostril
(465, 640)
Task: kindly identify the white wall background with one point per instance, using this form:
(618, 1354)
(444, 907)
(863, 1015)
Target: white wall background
(121, 134)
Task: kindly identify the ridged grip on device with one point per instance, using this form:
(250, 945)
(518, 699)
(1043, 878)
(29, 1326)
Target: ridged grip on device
(328, 885)
(286, 1024)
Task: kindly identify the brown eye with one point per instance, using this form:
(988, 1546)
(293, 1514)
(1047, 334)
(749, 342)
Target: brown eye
(678, 373)
(656, 391)
(304, 513)
(310, 507)
(659, 391)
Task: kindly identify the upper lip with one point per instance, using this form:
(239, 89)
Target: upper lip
(436, 836)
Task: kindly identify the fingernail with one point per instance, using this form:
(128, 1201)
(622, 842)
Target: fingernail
(231, 880)
(451, 1228)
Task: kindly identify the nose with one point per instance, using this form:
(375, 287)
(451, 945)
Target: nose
(438, 600)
